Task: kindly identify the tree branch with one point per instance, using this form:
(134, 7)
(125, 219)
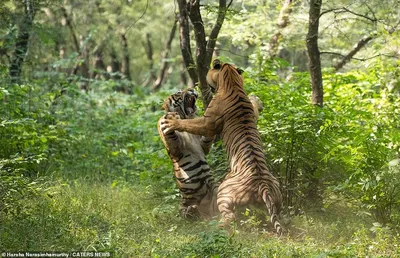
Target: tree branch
(212, 39)
(358, 59)
(141, 16)
(374, 20)
(205, 49)
(354, 51)
(346, 9)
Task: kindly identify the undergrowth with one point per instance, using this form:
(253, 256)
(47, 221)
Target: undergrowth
(87, 171)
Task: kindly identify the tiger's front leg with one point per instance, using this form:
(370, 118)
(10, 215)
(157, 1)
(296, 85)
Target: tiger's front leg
(170, 138)
(205, 126)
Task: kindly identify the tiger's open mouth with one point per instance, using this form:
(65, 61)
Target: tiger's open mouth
(190, 105)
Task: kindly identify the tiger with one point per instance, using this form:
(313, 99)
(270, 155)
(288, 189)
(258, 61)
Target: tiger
(182, 105)
(188, 154)
(230, 113)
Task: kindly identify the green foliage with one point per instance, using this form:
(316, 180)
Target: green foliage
(213, 244)
(30, 139)
(348, 144)
(87, 170)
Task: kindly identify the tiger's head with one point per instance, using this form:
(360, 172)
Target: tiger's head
(182, 102)
(220, 71)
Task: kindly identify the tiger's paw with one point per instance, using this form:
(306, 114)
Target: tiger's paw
(190, 212)
(172, 116)
(169, 123)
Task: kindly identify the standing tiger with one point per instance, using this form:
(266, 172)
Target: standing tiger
(188, 155)
(231, 114)
(199, 194)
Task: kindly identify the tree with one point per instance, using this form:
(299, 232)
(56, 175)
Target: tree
(205, 48)
(21, 44)
(313, 53)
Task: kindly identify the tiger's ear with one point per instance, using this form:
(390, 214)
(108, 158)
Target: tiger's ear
(216, 64)
(240, 71)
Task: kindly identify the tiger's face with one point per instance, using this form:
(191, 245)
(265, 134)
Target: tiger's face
(219, 68)
(182, 102)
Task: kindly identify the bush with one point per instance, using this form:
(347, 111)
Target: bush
(346, 145)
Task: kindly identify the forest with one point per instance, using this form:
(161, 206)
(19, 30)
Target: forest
(83, 167)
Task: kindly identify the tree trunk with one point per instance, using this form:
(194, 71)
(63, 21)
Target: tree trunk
(99, 65)
(201, 60)
(85, 65)
(68, 23)
(313, 53)
(205, 48)
(184, 37)
(21, 44)
(183, 77)
(149, 53)
(125, 69)
(115, 65)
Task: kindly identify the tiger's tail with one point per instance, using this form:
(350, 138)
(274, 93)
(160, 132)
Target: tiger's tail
(273, 211)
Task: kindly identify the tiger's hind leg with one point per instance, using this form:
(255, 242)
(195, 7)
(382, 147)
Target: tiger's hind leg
(273, 210)
(226, 202)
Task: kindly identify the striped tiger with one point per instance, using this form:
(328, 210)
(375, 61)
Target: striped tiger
(188, 155)
(231, 114)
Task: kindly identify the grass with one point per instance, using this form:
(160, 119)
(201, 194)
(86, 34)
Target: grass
(136, 221)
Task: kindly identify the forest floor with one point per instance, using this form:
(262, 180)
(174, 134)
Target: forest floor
(136, 221)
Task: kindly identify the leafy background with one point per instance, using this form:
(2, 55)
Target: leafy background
(86, 170)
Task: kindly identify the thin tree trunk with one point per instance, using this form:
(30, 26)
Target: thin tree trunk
(115, 65)
(149, 53)
(125, 69)
(78, 46)
(183, 77)
(85, 65)
(352, 53)
(99, 65)
(165, 63)
(22, 41)
(68, 23)
(184, 36)
(313, 53)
